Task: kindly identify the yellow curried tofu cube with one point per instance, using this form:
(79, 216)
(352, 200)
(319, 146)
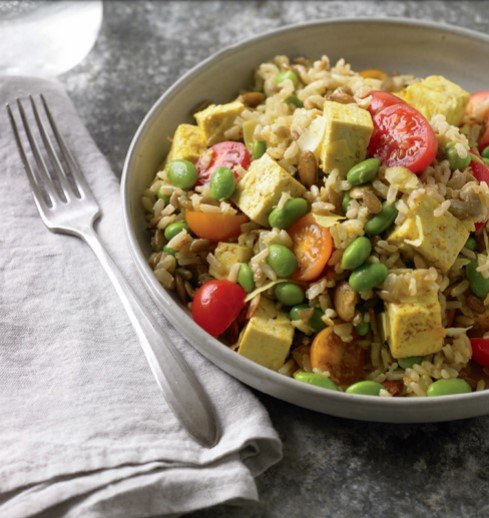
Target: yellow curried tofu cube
(346, 136)
(412, 326)
(438, 239)
(436, 94)
(228, 254)
(267, 337)
(261, 188)
(188, 143)
(216, 119)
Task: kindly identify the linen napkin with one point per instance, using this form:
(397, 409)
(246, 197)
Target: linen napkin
(84, 430)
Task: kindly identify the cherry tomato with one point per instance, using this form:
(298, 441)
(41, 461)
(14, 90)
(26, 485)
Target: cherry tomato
(313, 246)
(224, 154)
(480, 170)
(403, 137)
(381, 100)
(479, 225)
(480, 351)
(215, 226)
(217, 304)
(478, 110)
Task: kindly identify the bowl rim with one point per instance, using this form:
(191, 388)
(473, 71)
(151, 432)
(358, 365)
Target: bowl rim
(176, 314)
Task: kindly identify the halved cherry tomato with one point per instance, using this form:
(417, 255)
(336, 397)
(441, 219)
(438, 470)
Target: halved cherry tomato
(215, 226)
(480, 351)
(478, 110)
(217, 304)
(224, 154)
(344, 361)
(480, 169)
(313, 246)
(403, 137)
(381, 100)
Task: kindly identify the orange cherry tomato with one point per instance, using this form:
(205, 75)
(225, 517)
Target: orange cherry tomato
(344, 361)
(215, 226)
(313, 246)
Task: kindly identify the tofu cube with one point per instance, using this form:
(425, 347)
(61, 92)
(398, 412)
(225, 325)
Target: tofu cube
(188, 143)
(215, 120)
(346, 136)
(228, 254)
(262, 186)
(267, 337)
(438, 239)
(412, 326)
(436, 94)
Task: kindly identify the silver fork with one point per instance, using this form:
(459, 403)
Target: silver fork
(67, 206)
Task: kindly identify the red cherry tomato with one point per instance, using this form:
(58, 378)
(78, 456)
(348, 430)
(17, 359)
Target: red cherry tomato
(217, 304)
(403, 137)
(381, 100)
(478, 110)
(480, 351)
(480, 170)
(224, 154)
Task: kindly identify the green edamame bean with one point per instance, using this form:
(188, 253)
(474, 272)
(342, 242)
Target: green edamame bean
(381, 221)
(175, 228)
(258, 149)
(471, 244)
(284, 76)
(316, 379)
(448, 387)
(315, 321)
(169, 250)
(162, 195)
(356, 253)
(182, 173)
(407, 363)
(368, 276)
(362, 329)
(245, 277)
(478, 284)
(485, 152)
(286, 216)
(289, 293)
(365, 388)
(364, 172)
(282, 260)
(345, 202)
(293, 99)
(222, 184)
(455, 161)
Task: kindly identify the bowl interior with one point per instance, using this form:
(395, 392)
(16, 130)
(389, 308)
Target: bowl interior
(402, 46)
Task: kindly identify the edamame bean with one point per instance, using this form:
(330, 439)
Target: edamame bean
(222, 184)
(293, 99)
(286, 216)
(182, 173)
(175, 228)
(258, 149)
(313, 378)
(284, 76)
(315, 321)
(362, 329)
(289, 293)
(168, 250)
(455, 161)
(471, 244)
(364, 172)
(345, 202)
(245, 277)
(448, 387)
(478, 284)
(485, 152)
(356, 253)
(368, 276)
(381, 221)
(162, 195)
(365, 388)
(407, 363)
(282, 260)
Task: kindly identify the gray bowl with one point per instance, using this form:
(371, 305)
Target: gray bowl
(409, 46)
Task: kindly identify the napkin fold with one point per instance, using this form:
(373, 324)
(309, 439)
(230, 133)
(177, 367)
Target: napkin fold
(84, 429)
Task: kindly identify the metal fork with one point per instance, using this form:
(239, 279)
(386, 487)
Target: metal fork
(67, 205)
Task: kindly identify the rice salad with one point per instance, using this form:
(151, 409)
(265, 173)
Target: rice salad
(331, 225)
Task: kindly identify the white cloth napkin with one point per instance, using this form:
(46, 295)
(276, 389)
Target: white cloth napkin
(84, 430)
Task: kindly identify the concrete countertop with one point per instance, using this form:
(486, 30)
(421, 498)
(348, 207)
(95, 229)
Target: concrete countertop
(331, 466)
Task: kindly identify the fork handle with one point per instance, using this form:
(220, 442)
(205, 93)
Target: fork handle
(183, 392)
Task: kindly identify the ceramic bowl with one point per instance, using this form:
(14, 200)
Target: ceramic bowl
(409, 46)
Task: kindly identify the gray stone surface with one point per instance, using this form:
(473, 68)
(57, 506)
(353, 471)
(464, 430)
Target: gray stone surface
(331, 466)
